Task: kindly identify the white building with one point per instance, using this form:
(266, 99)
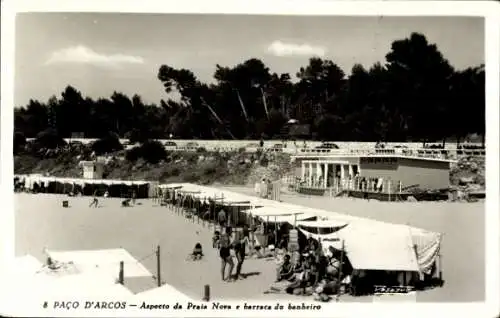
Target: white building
(92, 169)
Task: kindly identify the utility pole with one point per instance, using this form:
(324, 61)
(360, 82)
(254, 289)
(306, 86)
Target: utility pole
(158, 266)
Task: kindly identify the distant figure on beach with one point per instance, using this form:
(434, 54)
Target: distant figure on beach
(221, 218)
(126, 203)
(225, 254)
(95, 201)
(197, 252)
(134, 196)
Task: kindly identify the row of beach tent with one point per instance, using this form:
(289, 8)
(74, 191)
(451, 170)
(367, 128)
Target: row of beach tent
(369, 244)
(114, 188)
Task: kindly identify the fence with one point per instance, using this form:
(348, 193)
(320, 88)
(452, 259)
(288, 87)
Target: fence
(385, 187)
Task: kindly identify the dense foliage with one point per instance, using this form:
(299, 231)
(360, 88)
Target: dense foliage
(415, 95)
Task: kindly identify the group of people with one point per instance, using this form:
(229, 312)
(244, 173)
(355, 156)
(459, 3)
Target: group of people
(229, 244)
(312, 270)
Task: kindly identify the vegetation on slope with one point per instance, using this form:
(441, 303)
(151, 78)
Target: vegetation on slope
(148, 161)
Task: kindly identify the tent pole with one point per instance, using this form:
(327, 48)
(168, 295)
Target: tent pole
(267, 236)
(440, 272)
(158, 266)
(215, 213)
(276, 232)
(340, 271)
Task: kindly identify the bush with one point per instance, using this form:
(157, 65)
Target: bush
(49, 139)
(136, 136)
(108, 144)
(19, 141)
(133, 154)
(151, 151)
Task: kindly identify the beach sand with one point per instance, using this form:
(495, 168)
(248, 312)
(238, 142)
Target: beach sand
(462, 226)
(41, 221)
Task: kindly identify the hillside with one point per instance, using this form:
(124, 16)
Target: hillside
(207, 167)
(232, 168)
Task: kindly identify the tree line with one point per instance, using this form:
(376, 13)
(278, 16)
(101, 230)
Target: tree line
(415, 95)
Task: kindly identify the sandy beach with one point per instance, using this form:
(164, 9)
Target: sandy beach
(42, 221)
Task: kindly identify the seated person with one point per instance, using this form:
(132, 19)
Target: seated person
(332, 269)
(313, 275)
(285, 271)
(215, 239)
(298, 267)
(197, 252)
(307, 278)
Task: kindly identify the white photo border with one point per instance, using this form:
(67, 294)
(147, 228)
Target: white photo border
(490, 10)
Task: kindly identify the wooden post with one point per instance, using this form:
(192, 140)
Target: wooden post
(439, 268)
(192, 208)
(158, 266)
(266, 227)
(215, 213)
(276, 232)
(198, 210)
(206, 293)
(222, 207)
(121, 274)
(389, 188)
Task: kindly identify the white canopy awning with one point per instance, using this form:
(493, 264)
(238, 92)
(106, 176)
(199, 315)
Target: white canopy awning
(373, 249)
(107, 260)
(161, 293)
(322, 224)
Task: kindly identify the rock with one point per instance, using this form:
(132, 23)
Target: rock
(466, 180)
(474, 166)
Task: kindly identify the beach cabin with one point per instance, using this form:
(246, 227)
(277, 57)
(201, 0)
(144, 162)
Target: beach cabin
(92, 169)
(372, 171)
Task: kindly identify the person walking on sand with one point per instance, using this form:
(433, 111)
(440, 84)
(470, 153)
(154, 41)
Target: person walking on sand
(95, 201)
(134, 196)
(225, 254)
(240, 251)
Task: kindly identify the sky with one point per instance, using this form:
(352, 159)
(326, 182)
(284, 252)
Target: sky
(99, 53)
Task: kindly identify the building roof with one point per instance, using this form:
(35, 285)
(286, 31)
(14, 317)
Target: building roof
(356, 155)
